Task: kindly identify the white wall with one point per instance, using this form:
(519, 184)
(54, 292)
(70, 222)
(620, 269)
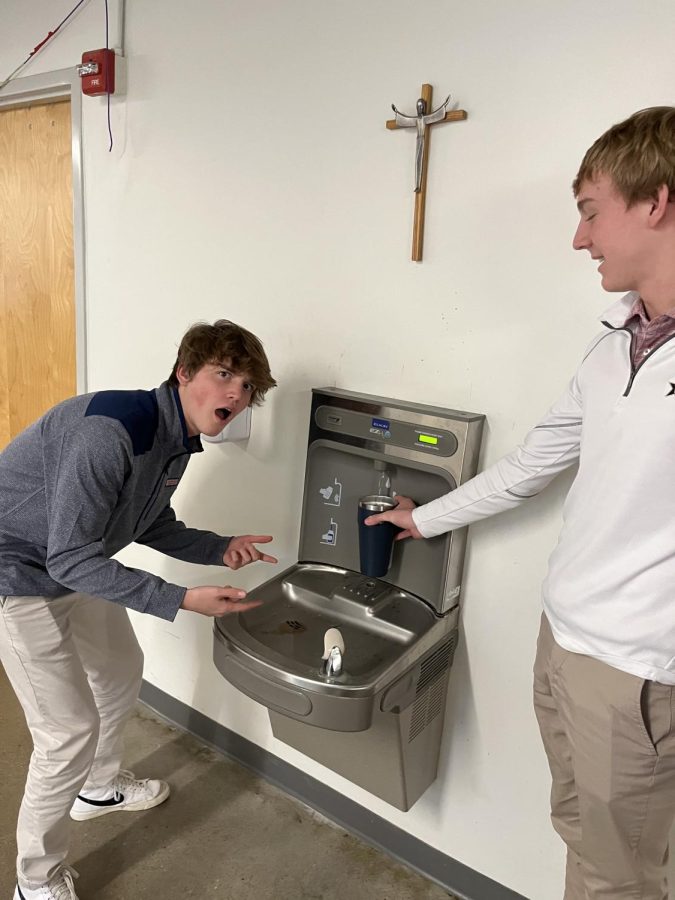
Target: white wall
(252, 177)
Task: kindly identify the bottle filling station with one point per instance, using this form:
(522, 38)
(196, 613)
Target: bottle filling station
(354, 667)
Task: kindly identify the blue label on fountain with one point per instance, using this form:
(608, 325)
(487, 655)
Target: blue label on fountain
(380, 423)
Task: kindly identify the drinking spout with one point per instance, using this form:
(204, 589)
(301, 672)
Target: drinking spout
(333, 651)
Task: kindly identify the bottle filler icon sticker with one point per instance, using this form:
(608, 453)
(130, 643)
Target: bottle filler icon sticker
(332, 493)
(330, 535)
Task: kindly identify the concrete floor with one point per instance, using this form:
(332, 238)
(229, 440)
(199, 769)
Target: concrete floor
(224, 833)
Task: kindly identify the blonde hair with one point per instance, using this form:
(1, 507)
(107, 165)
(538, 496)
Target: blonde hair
(637, 154)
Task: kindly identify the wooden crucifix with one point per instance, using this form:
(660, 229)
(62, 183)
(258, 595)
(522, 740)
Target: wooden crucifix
(423, 120)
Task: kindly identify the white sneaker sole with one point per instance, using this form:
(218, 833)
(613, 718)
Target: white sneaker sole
(17, 895)
(139, 805)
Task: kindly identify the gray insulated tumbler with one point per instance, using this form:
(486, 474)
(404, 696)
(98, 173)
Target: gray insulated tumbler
(376, 542)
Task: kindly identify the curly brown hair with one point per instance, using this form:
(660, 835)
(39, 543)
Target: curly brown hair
(205, 344)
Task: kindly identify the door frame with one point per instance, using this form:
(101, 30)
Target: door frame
(50, 88)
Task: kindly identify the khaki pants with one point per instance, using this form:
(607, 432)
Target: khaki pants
(75, 665)
(610, 741)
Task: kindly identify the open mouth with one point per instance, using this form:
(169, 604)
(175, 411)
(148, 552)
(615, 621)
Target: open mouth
(223, 413)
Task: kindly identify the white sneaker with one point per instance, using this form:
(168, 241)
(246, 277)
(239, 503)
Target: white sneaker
(125, 793)
(59, 888)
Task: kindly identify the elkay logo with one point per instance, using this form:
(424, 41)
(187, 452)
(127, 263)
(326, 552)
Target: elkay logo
(672, 389)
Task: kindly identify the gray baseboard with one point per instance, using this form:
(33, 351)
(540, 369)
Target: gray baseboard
(450, 874)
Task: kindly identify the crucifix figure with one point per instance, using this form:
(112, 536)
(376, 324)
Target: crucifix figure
(422, 122)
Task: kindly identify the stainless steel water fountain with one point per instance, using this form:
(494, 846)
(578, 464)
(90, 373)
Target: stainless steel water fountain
(354, 669)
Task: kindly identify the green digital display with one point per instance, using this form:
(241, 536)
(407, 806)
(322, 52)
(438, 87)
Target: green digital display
(427, 439)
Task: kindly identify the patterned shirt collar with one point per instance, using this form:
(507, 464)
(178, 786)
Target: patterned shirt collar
(638, 309)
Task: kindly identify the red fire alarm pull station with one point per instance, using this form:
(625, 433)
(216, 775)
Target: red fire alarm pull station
(97, 72)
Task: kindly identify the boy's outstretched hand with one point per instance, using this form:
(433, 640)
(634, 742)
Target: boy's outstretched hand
(210, 600)
(242, 550)
(401, 516)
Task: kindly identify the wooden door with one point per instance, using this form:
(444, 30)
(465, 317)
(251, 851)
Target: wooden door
(37, 289)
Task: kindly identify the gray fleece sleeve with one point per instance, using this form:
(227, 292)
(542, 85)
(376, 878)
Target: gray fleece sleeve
(87, 470)
(168, 535)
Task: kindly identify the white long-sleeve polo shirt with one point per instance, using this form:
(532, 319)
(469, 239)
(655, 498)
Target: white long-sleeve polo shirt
(610, 588)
